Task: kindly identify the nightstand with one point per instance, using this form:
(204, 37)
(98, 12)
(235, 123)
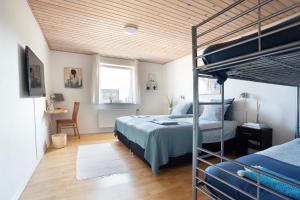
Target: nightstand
(257, 139)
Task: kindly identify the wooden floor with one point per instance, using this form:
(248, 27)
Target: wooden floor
(54, 177)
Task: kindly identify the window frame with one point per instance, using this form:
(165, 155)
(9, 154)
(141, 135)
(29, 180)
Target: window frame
(123, 67)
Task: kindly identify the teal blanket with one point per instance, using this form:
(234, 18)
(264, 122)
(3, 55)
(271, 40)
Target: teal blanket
(274, 184)
(160, 142)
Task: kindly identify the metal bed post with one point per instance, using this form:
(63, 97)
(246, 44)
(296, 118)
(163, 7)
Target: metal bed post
(298, 112)
(195, 112)
(222, 118)
(259, 25)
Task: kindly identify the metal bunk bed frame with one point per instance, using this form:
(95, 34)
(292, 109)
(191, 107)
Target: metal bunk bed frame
(287, 72)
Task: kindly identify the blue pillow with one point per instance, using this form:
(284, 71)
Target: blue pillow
(181, 108)
(226, 101)
(213, 112)
(190, 110)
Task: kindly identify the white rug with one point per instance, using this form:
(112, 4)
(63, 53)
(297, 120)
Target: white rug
(98, 160)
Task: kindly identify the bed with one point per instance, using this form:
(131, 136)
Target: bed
(269, 55)
(160, 144)
(283, 159)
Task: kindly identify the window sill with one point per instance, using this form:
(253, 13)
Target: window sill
(118, 104)
(109, 106)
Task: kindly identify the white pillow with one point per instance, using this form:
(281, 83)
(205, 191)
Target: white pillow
(213, 112)
(181, 108)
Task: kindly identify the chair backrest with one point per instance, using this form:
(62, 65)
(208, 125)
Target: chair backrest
(75, 111)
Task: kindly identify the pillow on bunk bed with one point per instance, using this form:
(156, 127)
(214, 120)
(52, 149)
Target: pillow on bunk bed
(229, 102)
(213, 112)
(181, 108)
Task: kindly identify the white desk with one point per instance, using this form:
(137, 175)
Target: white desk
(57, 111)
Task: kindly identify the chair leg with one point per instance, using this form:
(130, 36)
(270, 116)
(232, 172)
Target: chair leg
(57, 124)
(77, 131)
(59, 128)
(74, 130)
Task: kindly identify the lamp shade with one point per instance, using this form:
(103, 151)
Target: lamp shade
(59, 97)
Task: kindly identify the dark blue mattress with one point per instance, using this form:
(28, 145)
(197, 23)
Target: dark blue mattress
(277, 39)
(291, 171)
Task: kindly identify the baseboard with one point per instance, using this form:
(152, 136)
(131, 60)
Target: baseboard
(101, 130)
(105, 130)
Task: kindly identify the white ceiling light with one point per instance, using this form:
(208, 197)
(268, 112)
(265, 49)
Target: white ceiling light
(130, 29)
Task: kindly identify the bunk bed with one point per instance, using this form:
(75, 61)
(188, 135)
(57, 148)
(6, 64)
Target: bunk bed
(269, 54)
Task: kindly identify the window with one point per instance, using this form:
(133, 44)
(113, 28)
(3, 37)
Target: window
(116, 84)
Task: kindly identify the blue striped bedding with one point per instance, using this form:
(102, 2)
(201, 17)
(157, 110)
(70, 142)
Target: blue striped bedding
(270, 159)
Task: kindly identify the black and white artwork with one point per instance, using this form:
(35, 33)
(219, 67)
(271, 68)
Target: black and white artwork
(73, 77)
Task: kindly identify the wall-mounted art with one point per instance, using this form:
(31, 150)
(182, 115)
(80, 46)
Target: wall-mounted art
(73, 77)
(209, 86)
(151, 83)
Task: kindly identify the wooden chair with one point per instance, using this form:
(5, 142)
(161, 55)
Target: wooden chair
(69, 123)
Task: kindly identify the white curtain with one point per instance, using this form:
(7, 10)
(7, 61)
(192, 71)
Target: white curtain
(97, 60)
(96, 80)
(136, 88)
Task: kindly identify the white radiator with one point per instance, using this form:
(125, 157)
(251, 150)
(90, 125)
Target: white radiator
(107, 117)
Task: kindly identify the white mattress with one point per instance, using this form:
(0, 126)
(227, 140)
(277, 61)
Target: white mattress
(212, 136)
(288, 152)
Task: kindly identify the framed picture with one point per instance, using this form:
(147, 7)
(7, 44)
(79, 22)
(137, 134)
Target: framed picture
(209, 86)
(151, 83)
(35, 76)
(73, 77)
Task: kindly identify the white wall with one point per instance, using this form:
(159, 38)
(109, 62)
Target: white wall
(87, 117)
(88, 113)
(278, 103)
(22, 121)
(178, 79)
(151, 100)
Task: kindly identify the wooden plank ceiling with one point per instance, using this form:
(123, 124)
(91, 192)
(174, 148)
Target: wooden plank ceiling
(164, 26)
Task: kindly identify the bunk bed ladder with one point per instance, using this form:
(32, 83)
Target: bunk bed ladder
(195, 113)
(196, 181)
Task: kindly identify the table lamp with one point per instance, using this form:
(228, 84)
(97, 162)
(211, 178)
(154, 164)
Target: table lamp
(245, 96)
(59, 97)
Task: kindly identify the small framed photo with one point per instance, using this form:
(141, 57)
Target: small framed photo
(73, 77)
(209, 86)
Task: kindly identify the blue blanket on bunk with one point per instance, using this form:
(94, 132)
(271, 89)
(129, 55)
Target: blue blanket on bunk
(275, 184)
(274, 165)
(273, 40)
(159, 141)
(277, 39)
